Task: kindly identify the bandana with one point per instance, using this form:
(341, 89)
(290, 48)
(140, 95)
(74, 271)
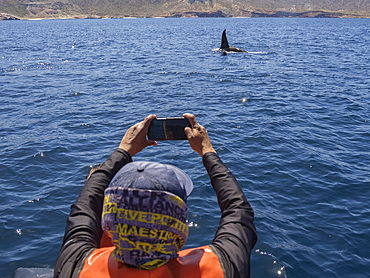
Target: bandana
(147, 227)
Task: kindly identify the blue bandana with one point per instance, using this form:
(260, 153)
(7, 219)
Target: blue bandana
(147, 227)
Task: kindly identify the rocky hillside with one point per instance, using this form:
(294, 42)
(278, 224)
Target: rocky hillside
(28, 9)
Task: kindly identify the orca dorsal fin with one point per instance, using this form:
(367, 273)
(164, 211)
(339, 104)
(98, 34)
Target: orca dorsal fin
(224, 43)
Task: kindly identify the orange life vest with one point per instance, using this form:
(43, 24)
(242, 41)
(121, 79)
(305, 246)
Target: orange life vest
(196, 262)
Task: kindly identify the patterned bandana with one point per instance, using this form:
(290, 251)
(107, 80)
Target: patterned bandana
(148, 227)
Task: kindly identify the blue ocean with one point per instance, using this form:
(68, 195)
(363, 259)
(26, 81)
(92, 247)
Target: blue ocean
(290, 119)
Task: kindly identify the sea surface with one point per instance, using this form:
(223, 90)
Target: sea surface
(290, 119)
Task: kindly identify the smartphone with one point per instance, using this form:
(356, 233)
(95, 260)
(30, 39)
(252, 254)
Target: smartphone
(168, 129)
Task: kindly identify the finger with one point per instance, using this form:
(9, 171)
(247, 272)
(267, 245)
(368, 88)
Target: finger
(191, 119)
(188, 132)
(151, 143)
(148, 120)
(150, 117)
(201, 128)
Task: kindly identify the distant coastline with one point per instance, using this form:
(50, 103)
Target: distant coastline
(276, 14)
(92, 9)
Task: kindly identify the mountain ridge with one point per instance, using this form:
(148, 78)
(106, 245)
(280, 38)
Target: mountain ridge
(50, 9)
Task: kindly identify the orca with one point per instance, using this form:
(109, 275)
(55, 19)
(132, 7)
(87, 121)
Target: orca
(225, 45)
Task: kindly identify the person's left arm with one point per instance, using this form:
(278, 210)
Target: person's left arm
(83, 229)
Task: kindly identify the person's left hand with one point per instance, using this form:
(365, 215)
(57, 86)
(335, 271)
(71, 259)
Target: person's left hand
(135, 138)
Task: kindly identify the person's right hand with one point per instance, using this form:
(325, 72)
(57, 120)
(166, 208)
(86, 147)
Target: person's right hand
(198, 136)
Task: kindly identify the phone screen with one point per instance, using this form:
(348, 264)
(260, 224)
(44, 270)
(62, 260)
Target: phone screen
(168, 129)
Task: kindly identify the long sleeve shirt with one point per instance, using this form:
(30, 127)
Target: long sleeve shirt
(233, 242)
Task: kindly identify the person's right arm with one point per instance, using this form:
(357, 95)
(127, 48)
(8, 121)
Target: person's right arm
(236, 234)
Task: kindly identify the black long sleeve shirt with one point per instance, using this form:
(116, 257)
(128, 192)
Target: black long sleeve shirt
(233, 242)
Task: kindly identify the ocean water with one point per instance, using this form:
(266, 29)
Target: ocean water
(290, 119)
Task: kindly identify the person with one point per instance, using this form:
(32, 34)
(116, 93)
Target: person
(130, 217)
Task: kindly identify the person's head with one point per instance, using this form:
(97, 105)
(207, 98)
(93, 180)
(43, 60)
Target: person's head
(145, 213)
